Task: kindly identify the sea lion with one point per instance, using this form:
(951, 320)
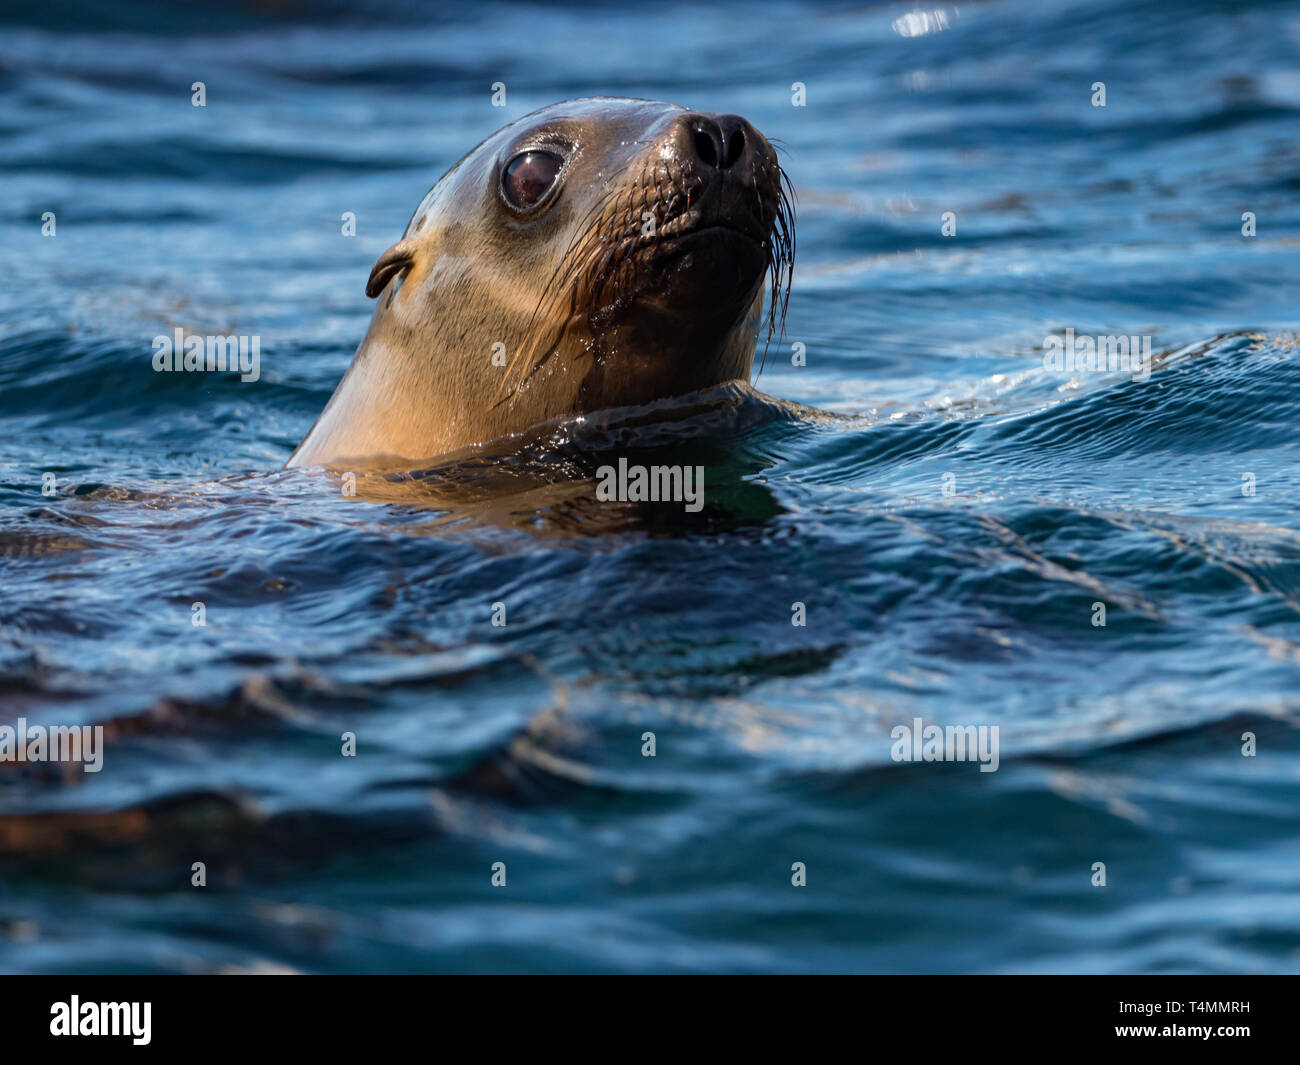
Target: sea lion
(596, 254)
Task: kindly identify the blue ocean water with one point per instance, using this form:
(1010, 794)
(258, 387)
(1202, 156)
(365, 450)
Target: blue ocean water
(949, 521)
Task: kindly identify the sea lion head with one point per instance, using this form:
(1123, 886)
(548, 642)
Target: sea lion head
(595, 254)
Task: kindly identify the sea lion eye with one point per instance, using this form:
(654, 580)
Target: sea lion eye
(529, 176)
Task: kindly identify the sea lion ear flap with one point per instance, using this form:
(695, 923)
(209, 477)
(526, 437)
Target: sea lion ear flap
(394, 261)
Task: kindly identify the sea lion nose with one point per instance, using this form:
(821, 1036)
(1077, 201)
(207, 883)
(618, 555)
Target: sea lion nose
(717, 141)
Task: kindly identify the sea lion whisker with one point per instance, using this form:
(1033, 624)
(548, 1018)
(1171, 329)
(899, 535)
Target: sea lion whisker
(566, 269)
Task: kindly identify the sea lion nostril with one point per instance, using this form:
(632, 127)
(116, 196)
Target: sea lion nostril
(708, 143)
(719, 141)
(735, 146)
(735, 133)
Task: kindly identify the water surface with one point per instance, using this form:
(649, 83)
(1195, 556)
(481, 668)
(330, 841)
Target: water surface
(948, 530)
